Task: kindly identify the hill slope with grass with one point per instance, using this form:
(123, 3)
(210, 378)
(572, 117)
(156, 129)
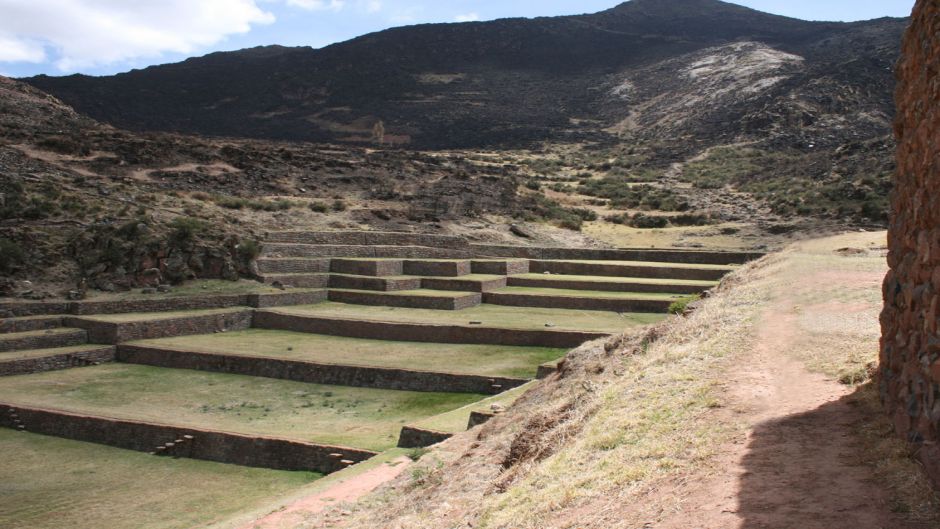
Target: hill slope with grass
(756, 410)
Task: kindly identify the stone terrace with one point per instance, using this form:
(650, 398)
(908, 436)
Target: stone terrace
(430, 325)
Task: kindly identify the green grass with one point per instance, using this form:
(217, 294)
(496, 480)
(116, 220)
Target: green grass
(488, 316)
(147, 316)
(490, 360)
(638, 280)
(606, 294)
(358, 417)
(456, 420)
(52, 483)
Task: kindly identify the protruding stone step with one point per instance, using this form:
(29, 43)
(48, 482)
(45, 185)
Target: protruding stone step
(367, 267)
(442, 268)
(43, 339)
(367, 238)
(464, 284)
(503, 267)
(415, 299)
(382, 284)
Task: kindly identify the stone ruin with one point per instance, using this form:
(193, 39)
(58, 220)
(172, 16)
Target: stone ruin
(910, 344)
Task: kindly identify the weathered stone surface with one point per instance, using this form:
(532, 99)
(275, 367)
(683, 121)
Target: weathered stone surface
(910, 344)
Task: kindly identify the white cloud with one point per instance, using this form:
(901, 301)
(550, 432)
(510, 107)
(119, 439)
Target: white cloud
(86, 33)
(467, 17)
(17, 50)
(317, 5)
(373, 6)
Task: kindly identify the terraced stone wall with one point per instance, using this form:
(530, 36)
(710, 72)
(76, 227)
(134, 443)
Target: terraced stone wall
(600, 254)
(420, 332)
(224, 447)
(26, 366)
(318, 373)
(106, 332)
(412, 437)
(910, 344)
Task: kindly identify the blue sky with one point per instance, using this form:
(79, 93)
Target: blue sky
(99, 37)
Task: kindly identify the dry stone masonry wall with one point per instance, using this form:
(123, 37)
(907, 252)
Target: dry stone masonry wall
(910, 345)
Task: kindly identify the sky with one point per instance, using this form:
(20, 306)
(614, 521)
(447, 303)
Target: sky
(103, 37)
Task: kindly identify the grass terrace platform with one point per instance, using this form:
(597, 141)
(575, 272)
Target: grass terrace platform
(486, 316)
(334, 415)
(490, 360)
(63, 484)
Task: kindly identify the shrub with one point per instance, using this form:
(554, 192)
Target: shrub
(249, 249)
(318, 207)
(648, 222)
(185, 229)
(339, 205)
(11, 255)
(680, 305)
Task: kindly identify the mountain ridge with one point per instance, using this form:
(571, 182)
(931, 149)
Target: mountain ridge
(507, 82)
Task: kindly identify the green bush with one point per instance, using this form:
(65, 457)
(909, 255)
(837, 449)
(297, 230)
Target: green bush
(339, 205)
(185, 229)
(319, 207)
(249, 249)
(12, 256)
(679, 306)
(647, 222)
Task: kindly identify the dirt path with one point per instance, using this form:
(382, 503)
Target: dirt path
(798, 465)
(345, 491)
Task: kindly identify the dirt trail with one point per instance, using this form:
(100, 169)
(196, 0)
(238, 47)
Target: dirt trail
(798, 465)
(345, 491)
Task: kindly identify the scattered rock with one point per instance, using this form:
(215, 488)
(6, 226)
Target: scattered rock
(520, 231)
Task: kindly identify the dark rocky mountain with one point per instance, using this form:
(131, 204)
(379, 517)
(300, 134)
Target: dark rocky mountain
(636, 68)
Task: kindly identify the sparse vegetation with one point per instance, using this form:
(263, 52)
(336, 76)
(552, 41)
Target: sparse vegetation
(12, 256)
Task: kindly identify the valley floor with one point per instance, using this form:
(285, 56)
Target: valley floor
(757, 411)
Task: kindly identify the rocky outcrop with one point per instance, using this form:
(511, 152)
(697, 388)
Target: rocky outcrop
(910, 345)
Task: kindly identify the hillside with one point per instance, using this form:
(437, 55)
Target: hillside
(506, 82)
(756, 410)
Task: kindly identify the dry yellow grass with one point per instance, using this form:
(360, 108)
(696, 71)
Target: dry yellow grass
(606, 443)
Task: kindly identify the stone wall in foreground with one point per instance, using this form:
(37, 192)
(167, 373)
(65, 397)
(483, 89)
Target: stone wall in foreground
(910, 344)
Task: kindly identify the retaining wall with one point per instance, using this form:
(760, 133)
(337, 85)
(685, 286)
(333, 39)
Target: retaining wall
(909, 370)
(621, 270)
(32, 308)
(56, 361)
(38, 323)
(374, 283)
(436, 268)
(422, 332)
(314, 280)
(462, 285)
(43, 340)
(577, 303)
(358, 297)
(413, 437)
(112, 333)
(400, 252)
(366, 267)
(211, 445)
(317, 373)
(478, 417)
(293, 266)
(664, 256)
(368, 238)
(606, 286)
(500, 268)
